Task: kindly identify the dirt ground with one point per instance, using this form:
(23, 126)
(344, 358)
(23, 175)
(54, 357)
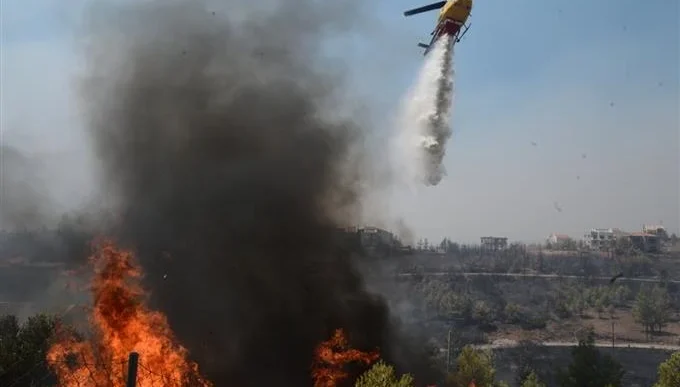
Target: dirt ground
(626, 330)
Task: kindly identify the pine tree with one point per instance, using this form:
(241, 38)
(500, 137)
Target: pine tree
(590, 368)
(669, 372)
(473, 366)
(383, 375)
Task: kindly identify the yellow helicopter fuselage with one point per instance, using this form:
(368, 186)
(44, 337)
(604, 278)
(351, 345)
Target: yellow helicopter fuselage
(453, 14)
(455, 10)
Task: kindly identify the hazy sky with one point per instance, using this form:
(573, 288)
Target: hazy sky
(594, 84)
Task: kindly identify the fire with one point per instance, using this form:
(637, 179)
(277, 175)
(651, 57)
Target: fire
(330, 358)
(122, 324)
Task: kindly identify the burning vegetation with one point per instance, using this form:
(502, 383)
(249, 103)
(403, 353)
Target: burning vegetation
(332, 357)
(121, 324)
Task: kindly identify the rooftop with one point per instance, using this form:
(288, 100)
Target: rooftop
(561, 236)
(642, 234)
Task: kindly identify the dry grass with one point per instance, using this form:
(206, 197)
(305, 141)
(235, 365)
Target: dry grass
(626, 330)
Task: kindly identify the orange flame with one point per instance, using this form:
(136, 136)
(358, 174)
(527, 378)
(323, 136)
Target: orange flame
(122, 324)
(331, 357)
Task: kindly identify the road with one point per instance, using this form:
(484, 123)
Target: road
(521, 275)
(506, 343)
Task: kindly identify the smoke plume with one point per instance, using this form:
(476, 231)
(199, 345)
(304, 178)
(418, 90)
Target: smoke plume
(423, 123)
(230, 180)
(23, 199)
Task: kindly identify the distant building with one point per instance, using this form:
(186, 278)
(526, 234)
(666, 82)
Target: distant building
(560, 241)
(372, 240)
(657, 230)
(648, 243)
(372, 237)
(601, 238)
(555, 238)
(494, 243)
(653, 229)
(350, 229)
(620, 234)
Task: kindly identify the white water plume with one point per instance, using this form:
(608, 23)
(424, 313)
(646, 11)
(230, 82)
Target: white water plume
(423, 125)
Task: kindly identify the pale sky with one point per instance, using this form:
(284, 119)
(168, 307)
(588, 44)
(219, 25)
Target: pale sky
(594, 84)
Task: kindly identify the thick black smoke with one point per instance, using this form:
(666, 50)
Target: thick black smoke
(231, 181)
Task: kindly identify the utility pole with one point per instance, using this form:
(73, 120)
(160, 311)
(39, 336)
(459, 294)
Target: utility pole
(613, 344)
(448, 352)
(133, 361)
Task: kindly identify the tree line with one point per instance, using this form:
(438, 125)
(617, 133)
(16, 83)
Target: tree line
(23, 348)
(588, 368)
(484, 302)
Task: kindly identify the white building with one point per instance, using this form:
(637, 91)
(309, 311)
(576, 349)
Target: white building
(654, 229)
(555, 239)
(600, 238)
(560, 241)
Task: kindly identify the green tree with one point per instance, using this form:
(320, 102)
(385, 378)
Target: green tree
(383, 375)
(643, 310)
(449, 247)
(455, 305)
(444, 244)
(473, 365)
(651, 308)
(621, 295)
(590, 368)
(532, 381)
(482, 313)
(23, 348)
(669, 372)
(578, 302)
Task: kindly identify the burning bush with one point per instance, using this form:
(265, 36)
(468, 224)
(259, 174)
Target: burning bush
(331, 358)
(121, 323)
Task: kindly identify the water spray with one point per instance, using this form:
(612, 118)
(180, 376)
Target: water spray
(424, 120)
